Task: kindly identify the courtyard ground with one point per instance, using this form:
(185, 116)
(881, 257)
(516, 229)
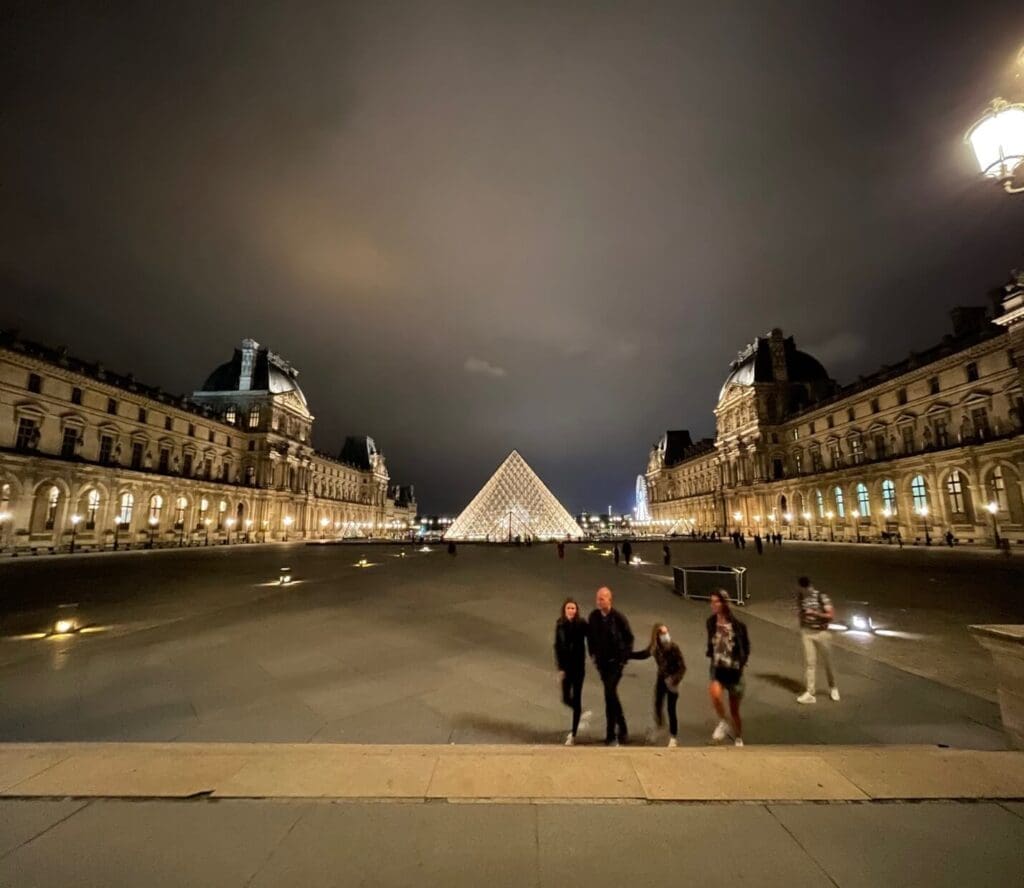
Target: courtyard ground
(203, 645)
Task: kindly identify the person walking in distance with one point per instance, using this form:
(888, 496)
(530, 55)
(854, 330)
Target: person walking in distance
(611, 643)
(627, 552)
(666, 554)
(571, 659)
(759, 544)
(816, 612)
(728, 650)
(615, 554)
(671, 669)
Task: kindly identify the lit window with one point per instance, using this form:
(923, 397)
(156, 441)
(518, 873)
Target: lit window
(230, 416)
(156, 506)
(254, 416)
(889, 495)
(821, 503)
(863, 501)
(179, 511)
(124, 517)
(955, 489)
(222, 510)
(919, 492)
(998, 488)
(840, 504)
(52, 500)
(92, 508)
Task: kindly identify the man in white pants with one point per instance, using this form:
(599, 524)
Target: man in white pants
(816, 612)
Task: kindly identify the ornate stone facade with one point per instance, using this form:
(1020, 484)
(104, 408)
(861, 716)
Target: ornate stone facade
(931, 445)
(98, 460)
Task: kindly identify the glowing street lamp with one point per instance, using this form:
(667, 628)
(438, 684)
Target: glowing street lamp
(323, 526)
(856, 522)
(206, 527)
(923, 512)
(831, 527)
(998, 142)
(230, 523)
(287, 525)
(248, 528)
(75, 519)
(152, 530)
(993, 509)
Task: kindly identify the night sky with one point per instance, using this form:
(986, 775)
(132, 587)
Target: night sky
(475, 226)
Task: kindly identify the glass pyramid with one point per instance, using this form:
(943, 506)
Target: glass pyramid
(514, 502)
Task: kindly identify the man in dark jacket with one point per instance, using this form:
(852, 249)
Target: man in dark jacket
(611, 643)
(627, 552)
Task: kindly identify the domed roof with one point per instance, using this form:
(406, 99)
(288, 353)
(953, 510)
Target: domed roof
(254, 369)
(755, 365)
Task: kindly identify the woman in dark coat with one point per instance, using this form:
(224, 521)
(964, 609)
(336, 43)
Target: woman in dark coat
(571, 658)
(671, 669)
(728, 649)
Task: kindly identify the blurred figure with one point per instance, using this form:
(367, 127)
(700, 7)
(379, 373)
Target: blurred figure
(816, 612)
(611, 643)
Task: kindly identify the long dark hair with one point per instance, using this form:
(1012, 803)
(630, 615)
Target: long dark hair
(723, 597)
(562, 617)
(653, 646)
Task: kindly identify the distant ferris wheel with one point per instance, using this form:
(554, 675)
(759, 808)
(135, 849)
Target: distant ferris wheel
(640, 511)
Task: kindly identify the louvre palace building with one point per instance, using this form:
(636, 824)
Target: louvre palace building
(91, 459)
(930, 445)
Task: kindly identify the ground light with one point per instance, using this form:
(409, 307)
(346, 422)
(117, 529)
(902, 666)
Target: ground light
(590, 548)
(285, 576)
(363, 562)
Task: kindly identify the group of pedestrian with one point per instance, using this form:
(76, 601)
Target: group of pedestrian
(607, 637)
(625, 555)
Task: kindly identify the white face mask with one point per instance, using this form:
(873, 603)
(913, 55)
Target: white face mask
(665, 638)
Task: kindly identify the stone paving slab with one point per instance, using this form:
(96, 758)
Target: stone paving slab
(262, 770)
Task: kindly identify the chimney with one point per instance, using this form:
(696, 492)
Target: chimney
(249, 349)
(968, 319)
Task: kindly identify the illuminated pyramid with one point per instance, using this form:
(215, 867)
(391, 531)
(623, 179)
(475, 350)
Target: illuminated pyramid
(514, 502)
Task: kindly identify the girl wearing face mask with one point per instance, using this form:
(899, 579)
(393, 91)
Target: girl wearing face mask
(671, 669)
(571, 658)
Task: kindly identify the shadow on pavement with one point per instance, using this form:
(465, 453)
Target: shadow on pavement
(793, 685)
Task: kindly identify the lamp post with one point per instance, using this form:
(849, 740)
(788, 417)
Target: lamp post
(993, 508)
(807, 520)
(248, 528)
(737, 517)
(230, 523)
(287, 524)
(323, 527)
(263, 529)
(4, 518)
(75, 519)
(831, 527)
(923, 512)
(152, 530)
(206, 527)
(788, 518)
(856, 522)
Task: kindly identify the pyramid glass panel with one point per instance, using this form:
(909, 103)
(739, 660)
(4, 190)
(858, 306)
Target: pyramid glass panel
(514, 503)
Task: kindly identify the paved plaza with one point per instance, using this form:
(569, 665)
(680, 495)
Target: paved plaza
(203, 645)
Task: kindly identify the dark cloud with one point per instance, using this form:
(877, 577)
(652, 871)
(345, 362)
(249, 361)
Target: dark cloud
(602, 201)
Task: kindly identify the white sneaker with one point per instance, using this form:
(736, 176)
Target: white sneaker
(806, 697)
(738, 741)
(721, 732)
(570, 740)
(672, 743)
(834, 694)
(585, 716)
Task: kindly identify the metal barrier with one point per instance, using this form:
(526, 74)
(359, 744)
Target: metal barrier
(699, 581)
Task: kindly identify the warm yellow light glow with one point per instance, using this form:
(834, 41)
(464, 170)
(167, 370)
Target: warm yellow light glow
(738, 516)
(75, 519)
(998, 140)
(288, 520)
(922, 511)
(63, 627)
(324, 522)
(807, 516)
(855, 513)
(788, 517)
(992, 508)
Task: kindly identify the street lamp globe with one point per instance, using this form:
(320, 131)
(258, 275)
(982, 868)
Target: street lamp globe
(992, 508)
(75, 519)
(998, 143)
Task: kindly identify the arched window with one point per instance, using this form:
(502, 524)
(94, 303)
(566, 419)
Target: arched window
(5, 497)
(92, 507)
(919, 492)
(863, 501)
(889, 496)
(254, 416)
(821, 503)
(124, 516)
(52, 500)
(997, 488)
(955, 489)
(179, 511)
(156, 506)
(222, 512)
(204, 507)
(840, 504)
